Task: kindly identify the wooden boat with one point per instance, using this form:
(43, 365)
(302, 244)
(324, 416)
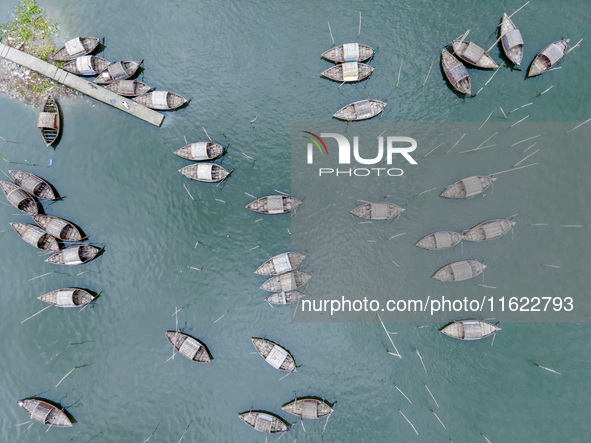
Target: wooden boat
(264, 421)
(75, 255)
(511, 40)
(36, 237)
(468, 187)
(439, 240)
(274, 354)
(67, 298)
(361, 110)
(284, 298)
(49, 121)
(473, 54)
(281, 263)
(469, 329)
(188, 346)
(205, 172)
(200, 151)
(286, 282)
(19, 198)
(488, 230)
(128, 88)
(59, 228)
(161, 100)
(377, 211)
(459, 271)
(32, 184)
(117, 71)
(274, 204)
(549, 56)
(308, 407)
(42, 411)
(456, 73)
(348, 72)
(86, 65)
(76, 47)
(349, 52)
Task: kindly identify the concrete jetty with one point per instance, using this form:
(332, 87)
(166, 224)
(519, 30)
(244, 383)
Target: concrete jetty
(79, 84)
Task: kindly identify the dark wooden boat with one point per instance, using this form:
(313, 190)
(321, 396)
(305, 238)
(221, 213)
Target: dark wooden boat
(469, 329)
(205, 172)
(549, 56)
(42, 411)
(511, 40)
(308, 407)
(49, 121)
(468, 187)
(488, 230)
(67, 298)
(19, 198)
(86, 65)
(264, 421)
(456, 73)
(361, 110)
(128, 88)
(32, 184)
(59, 228)
(36, 237)
(188, 346)
(459, 271)
(161, 100)
(377, 211)
(274, 204)
(349, 52)
(284, 298)
(75, 255)
(117, 71)
(439, 240)
(281, 263)
(77, 47)
(348, 72)
(286, 282)
(473, 54)
(274, 354)
(200, 151)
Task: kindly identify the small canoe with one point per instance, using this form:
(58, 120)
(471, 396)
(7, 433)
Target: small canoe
(75, 255)
(286, 282)
(456, 73)
(281, 263)
(117, 71)
(308, 407)
(284, 298)
(188, 346)
(349, 52)
(67, 298)
(473, 54)
(19, 198)
(361, 110)
(377, 211)
(49, 121)
(549, 56)
(161, 100)
(128, 88)
(36, 237)
(488, 230)
(205, 172)
(32, 184)
(511, 40)
(274, 204)
(348, 72)
(274, 354)
(59, 228)
(86, 65)
(459, 271)
(469, 329)
(264, 421)
(76, 47)
(42, 411)
(468, 187)
(439, 240)
(200, 151)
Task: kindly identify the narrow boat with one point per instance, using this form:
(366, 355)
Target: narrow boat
(49, 121)
(161, 100)
(128, 88)
(281, 263)
(348, 72)
(473, 54)
(117, 71)
(36, 237)
(377, 211)
(469, 329)
(459, 271)
(361, 110)
(286, 282)
(439, 240)
(200, 151)
(274, 204)
(274, 354)
(308, 407)
(59, 228)
(456, 73)
(284, 298)
(188, 346)
(75, 255)
(86, 65)
(33, 185)
(19, 198)
(549, 56)
(488, 230)
(349, 52)
(43, 411)
(264, 421)
(468, 187)
(76, 47)
(67, 298)
(205, 172)
(511, 40)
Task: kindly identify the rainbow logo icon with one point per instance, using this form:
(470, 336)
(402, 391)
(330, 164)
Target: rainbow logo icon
(316, 142)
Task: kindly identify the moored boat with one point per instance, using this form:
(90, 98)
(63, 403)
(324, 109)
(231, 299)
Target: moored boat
(128, 88)
(200, 151)
(32, 184)
(548, 57)
(348, 72)
(43, 411)
(361, 110)
(49, 121)
(161, 100)
(76, 47)
(281, 263)
(473, 54)
(59, 228)
(75, 255)
(188, 346)
(377, 211)
(439, 240)
(19, 198)
(349, 52)
(511, 40)
(264, 421)
(488, 230)
(274, 354)
(469, 329)
(67, 298)
(284, 298)
(117, 71)
(308, 407)
(86, 65)
(286, 282)
(205, 172)
(456, 73)
(459, 271)
(468, 187)
(274, 204)
(36, 237)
